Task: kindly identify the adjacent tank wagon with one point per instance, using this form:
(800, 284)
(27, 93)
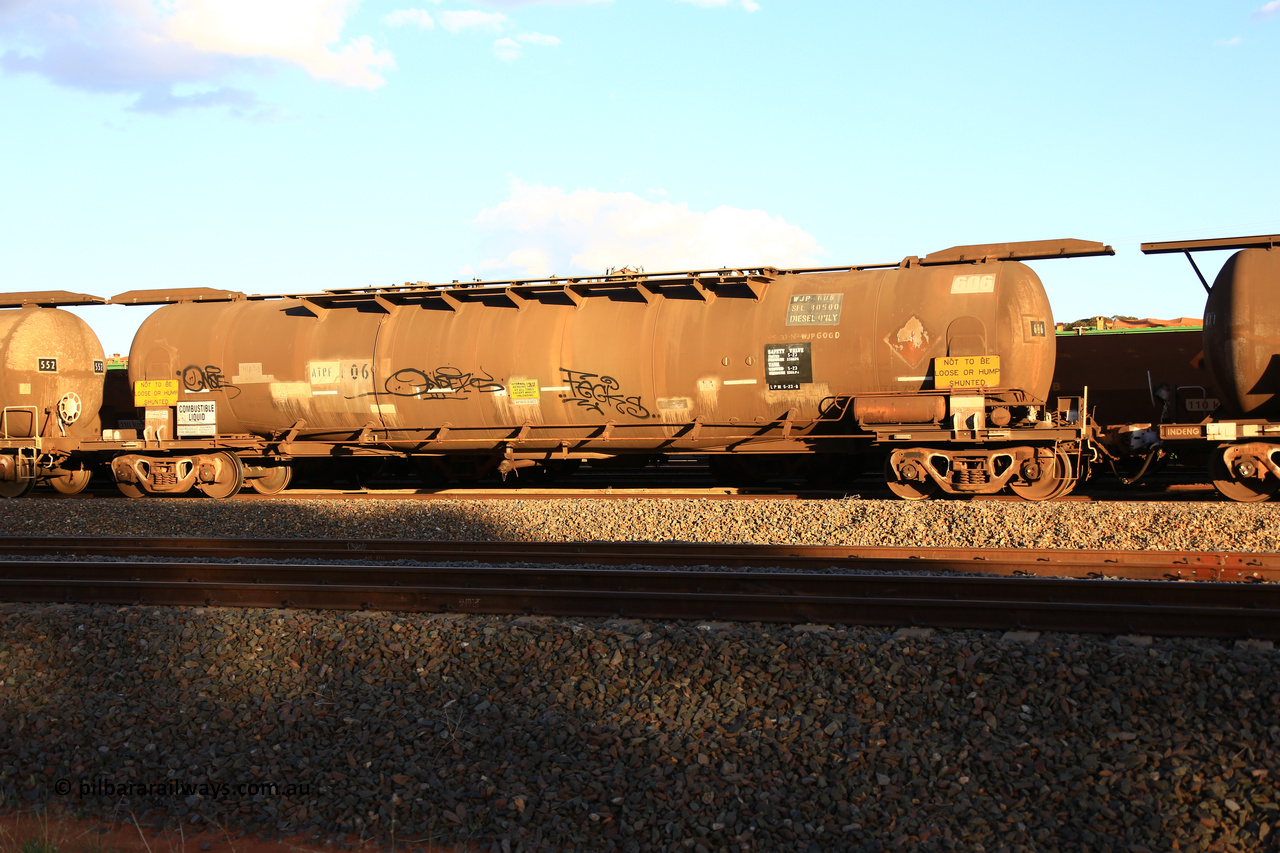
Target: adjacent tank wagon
(942, 362)
(51, 376)
(1242, 354)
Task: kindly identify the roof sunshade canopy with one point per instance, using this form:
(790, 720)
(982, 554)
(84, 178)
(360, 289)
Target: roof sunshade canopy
(168, 297)
(1030, 250)
(48, 299)
(1265, 241)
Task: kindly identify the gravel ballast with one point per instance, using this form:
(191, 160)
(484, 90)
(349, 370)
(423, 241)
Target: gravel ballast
(561, 735)
(501, 733)
(995, 524)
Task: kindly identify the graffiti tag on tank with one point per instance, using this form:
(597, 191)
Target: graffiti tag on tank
(595, 392)
(201, 380)
(445, 383)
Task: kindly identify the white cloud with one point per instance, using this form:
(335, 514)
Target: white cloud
(538, 38)
(457, 21)
(1232, 42)
(154, 48)
(511, 49)
(508, 50)
(303, 32)
(522, 259)
(540, 230)
(748, 5)
(419, 18)
(1267, 11)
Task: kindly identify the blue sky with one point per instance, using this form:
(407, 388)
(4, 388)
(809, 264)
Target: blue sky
(288, 146)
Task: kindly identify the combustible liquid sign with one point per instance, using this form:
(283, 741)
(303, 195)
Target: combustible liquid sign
(197, 419)
(966, 371)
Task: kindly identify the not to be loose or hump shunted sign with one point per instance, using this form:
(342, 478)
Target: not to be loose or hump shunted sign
(966, 371)
(155, 392)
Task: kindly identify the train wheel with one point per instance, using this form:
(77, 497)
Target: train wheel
(228, 477)
(274, 483)
(1079, 471)
(15, 488)
(910, 490)
(1238, 488)
(70, 483)
(1068, 486)
(1054, 480)
(131, 490)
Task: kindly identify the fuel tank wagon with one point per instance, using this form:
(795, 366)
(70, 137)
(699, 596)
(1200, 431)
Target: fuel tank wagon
(1242, 354)
(1242, 333)
(957, 345)
(51, 374)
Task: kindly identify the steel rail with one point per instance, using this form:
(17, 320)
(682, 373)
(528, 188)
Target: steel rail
(992, 603)
(1137, 565)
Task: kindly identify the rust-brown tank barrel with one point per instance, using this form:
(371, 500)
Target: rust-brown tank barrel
(1242, 333)
(659, 351)
(51, 374)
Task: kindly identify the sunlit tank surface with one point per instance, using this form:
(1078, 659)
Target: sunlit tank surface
(656, 351)
(51, 374)
(1242, 333)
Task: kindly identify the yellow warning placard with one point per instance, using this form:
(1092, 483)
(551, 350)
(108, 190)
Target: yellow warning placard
(155, 392)
(966, 371)
(523, 392)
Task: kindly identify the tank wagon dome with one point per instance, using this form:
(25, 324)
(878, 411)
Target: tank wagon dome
(1242, 333)
(51, 367)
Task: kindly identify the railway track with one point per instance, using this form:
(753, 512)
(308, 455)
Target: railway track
(1129, 565)
(1211, 608)
(996, 603)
